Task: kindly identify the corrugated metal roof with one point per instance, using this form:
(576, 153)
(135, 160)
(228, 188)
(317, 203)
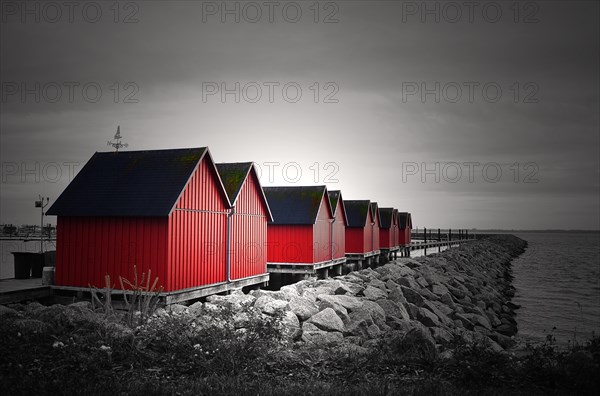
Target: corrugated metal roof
(386, 215)
(356, 212)
(403, 218)
(295, 205)
(129, 183)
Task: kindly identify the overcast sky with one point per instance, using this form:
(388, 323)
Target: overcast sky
(472, 114)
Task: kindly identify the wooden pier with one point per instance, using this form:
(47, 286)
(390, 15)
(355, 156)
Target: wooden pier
(17, 290)
(430, 240)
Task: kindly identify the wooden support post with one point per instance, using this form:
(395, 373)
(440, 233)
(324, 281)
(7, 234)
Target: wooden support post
(425, 234)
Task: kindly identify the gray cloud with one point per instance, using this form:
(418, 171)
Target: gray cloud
(370, 56)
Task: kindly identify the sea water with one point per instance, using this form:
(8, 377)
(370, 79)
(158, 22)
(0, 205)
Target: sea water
(557, 283)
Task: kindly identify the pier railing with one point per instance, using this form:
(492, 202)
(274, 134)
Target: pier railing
(437, 238)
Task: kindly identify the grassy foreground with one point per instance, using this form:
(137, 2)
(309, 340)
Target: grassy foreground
(73, 350)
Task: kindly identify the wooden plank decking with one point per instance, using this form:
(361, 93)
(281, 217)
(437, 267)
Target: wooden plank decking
(16, 290)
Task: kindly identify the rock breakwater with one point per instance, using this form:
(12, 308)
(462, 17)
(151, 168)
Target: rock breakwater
(460, 295)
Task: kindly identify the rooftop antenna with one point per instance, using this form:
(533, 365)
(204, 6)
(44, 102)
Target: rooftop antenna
(117, 143)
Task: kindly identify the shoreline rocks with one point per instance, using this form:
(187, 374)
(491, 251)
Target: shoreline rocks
(460, 295)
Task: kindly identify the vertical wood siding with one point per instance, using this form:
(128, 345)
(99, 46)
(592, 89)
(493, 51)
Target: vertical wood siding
(368, 233)
(355, 239)
(395, 237)
(339, 232)
(385, 238)
(197, 233)
(375, 240)
(322, 233)
(404, 234)
(248, 247)
(89, 248)
(289, 243)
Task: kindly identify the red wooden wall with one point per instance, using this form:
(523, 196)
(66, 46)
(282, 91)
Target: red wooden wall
(386, 238)
(289, 243)
(322, 233)
(89, 248)
(197, 233)
(375, 240)
(339, 232)
(395, 231)
(249, 232)
(404, 235)
(358, 239)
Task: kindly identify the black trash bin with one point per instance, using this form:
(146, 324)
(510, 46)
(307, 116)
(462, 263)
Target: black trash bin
(28, 265)
(50, 258)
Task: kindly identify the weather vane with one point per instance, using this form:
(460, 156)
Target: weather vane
(117, 143)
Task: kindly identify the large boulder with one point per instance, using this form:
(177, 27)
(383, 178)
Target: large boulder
(408, 282)
(390, 271)
(507, 329)
(478, 320)
(412, 310)
(291, 326)
(396, 294)
(327, 320)
(289, 291)
(456, 292)
(375, 293)
(393, 309)
(439, 290)
(447, 299)
(378, 284)
(235, 300)
(412, 296)
(303, 307)
(422, 282)
(437, 312)
(427, 317)
(270, 306)
(464, 321)
(428, 295)
(349, 302)
(178, 309)
(349, 288)
(376, 312)
(339, 310)
(311, 334)
(275, 295)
